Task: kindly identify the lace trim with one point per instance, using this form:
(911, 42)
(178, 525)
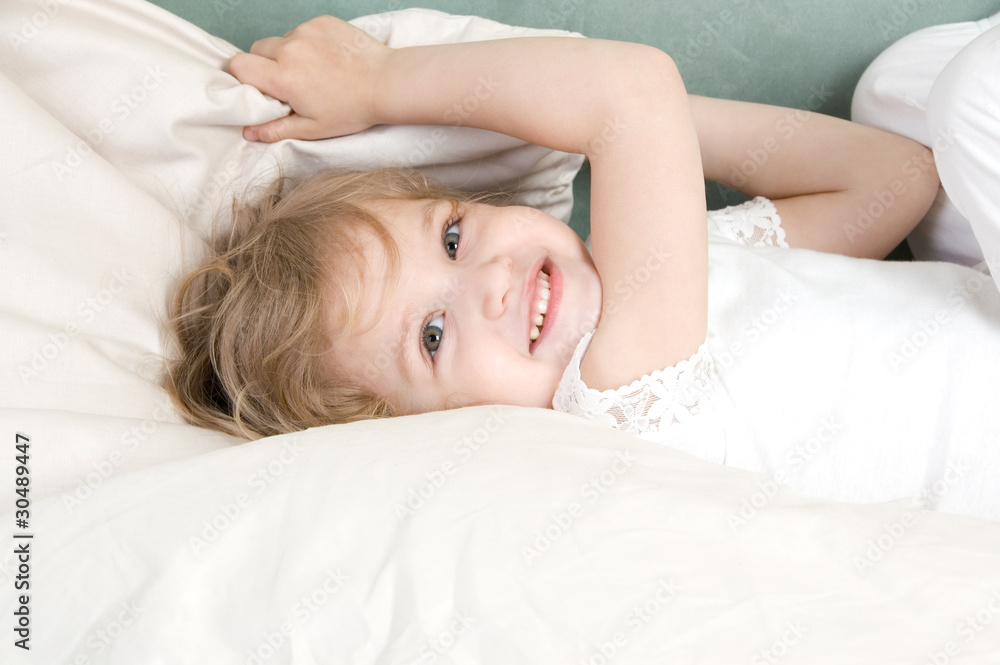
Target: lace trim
(755, 223)
(676, 394)
(645, 406)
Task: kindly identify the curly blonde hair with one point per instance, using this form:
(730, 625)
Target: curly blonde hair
(251, 325)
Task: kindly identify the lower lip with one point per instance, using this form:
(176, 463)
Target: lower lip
(555, 295)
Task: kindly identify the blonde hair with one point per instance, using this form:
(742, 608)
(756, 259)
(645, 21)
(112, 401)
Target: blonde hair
(251, 325)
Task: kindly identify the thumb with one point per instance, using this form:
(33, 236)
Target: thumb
(291, 126)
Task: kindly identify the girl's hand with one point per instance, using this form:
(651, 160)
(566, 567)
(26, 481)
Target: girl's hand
(325, 69)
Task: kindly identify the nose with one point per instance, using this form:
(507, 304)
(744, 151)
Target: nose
(491, 282)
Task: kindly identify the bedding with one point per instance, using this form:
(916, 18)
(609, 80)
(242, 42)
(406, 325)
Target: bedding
(921, 87)
(486, 535)
(141, 140)
(472, 539)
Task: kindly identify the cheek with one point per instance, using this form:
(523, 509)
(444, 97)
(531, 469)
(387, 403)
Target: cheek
(371, 368)
(353, 358)
(503, 376)
(533, 382)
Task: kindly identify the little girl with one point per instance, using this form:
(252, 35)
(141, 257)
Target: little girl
(362, 295)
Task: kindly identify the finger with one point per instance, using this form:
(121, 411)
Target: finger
(291, 126)
(267, 47)
(258, 71)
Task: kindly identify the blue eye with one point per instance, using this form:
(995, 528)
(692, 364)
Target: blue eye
(431, 335)
(451, 237)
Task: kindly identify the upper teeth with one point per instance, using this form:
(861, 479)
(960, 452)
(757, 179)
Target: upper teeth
(541, 305)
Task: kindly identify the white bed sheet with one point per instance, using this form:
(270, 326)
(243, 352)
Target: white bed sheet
(493, 535)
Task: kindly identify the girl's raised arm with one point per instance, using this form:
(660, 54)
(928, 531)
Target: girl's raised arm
(622, 105)
(839, 186)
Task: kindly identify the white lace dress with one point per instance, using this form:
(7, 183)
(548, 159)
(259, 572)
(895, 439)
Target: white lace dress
(849, 379)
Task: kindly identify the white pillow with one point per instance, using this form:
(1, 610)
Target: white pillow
(122, 141)
(894, 94)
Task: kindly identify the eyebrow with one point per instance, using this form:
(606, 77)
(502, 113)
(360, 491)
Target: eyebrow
(405, 340)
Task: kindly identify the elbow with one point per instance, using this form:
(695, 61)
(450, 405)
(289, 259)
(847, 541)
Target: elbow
(662, 68)
(650, 73)
(659, 60)
(891, 196)
(926, 179)
(920, 184)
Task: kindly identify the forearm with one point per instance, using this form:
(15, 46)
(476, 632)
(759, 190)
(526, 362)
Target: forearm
(562, 93)
(840, 187)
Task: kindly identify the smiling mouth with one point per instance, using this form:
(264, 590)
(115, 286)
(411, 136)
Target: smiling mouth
(541, 305)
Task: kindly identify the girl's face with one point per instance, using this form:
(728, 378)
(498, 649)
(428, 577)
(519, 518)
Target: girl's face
(460, 325)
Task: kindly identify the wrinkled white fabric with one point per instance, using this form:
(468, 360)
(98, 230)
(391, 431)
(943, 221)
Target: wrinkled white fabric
(895, 94)
(964, 104)
(488, 535)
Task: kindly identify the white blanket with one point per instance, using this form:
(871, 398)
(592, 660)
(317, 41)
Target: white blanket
(481, 535)
(492, 535)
